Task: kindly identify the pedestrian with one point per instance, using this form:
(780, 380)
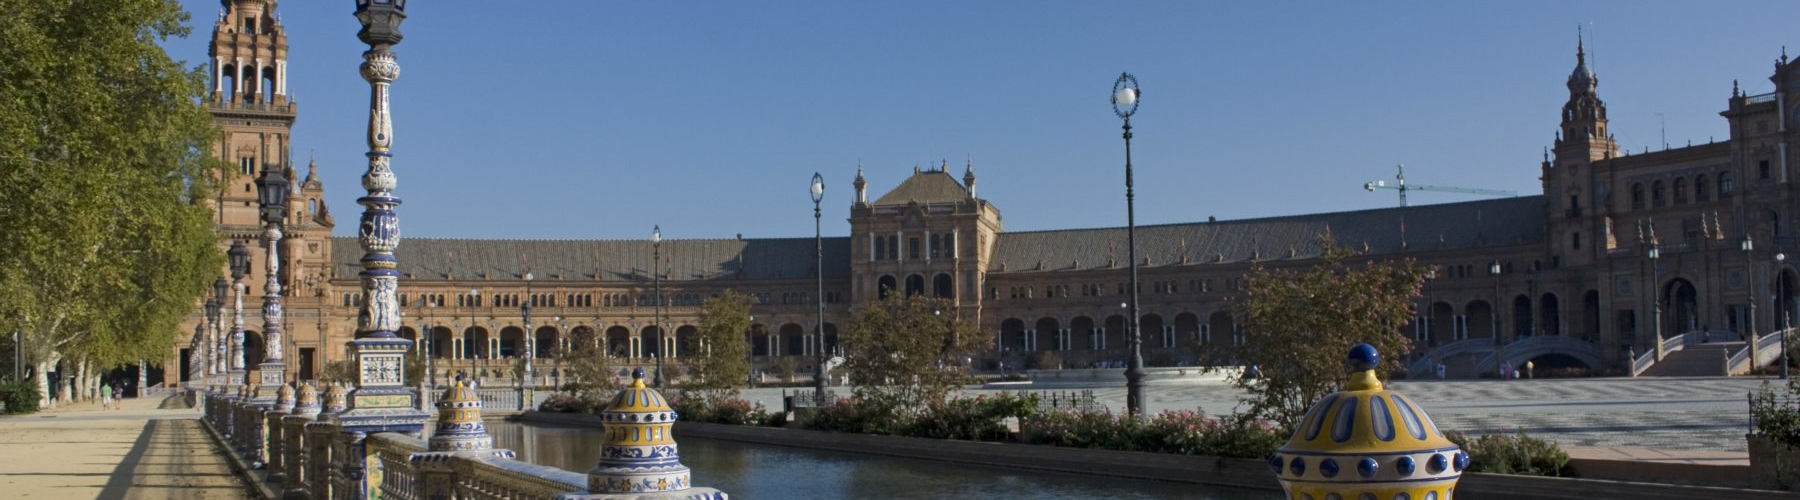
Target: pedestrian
(1440, 370)
(1530, 369)
(106, 394)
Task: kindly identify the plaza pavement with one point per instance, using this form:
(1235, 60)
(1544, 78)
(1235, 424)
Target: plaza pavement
(1685, 414)
(151, 448)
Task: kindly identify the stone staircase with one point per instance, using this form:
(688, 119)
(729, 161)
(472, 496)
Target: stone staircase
(1704, 360)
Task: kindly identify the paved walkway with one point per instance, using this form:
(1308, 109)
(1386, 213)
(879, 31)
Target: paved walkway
(1709, 414)
(151, 449)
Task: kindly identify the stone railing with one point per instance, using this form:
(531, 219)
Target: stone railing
(497, 399)
(304, 453)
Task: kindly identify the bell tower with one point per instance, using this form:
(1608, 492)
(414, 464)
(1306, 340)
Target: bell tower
(1582, 136)
(250, 104)
(1575, 220)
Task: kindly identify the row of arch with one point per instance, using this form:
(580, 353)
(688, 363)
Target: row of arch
(476, 342)
(1679, 189)
(942, 285)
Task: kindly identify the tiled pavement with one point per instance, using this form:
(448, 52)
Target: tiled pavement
(1670, 414)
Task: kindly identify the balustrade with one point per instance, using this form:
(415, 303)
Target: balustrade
(309, 455)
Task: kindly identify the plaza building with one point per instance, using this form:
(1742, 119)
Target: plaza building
(1621, 263)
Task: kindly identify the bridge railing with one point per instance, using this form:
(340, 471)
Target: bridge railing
(1427, 364)
(314, 458)
(1530, 347)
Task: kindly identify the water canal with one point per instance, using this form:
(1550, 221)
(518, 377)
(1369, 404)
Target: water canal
(757, 472)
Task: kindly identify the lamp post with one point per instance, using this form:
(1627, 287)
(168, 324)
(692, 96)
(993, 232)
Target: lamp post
(528, 380)
(430, 342)
(221, 342)
(1785, 310)
(1499, 344)
(239, 257)
(1748, 245)
(272, 191)
(210, 362)
(656, 271)
(1655, 252)
(1125, 103)
(380, 401)
(818, 195)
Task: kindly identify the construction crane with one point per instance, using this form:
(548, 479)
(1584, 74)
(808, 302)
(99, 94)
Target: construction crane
(1402, 187)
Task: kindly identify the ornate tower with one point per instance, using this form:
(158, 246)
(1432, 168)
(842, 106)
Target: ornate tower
(249, 103)
(1574, 191)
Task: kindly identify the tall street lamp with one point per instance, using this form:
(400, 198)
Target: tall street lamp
(1655, 253)
(1125, 103)
(530, 337)
(1494, 317)
(221, 337)
(1785, 310)
(1750, 289)
(818, 195)
(656, 271)
(380, 401)
(239, 256)
(272, 191)
(211, 343)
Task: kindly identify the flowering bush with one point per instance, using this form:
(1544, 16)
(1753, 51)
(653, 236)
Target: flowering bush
(1179, 432)
(858, 416)
(1777, 415)
(570, 403)
(1513, 454)
(980, 418)
(727, 410)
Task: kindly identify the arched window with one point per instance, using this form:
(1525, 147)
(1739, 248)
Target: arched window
(1637, 196)
(886, 285)
(1701, 189)
(1656, 194)
(915, 284)
(1680, 190)
(1724, 185)
(942, 286)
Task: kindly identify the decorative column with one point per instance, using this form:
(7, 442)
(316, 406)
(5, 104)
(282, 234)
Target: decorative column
(381, 402)
(321, 463)
(272, 187)
(235, 357)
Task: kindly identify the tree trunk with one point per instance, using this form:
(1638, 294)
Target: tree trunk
(42, 377)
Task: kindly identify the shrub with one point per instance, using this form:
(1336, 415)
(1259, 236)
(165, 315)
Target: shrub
(1179, 432)
(729, 410)
(1777, 415)
(858, 416)
(1044, 360)
(20, 396)
(1513, 454)
(570, 403)
(981, 418)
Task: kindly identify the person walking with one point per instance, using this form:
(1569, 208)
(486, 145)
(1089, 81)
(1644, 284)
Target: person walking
(1530, 369)
(118, 397)
(106, 394)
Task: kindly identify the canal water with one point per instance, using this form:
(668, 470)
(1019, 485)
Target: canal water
(755, 472)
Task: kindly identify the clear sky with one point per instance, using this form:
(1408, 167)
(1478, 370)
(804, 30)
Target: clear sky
(598, 119)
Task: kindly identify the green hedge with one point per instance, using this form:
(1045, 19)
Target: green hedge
(19, 396)
(1513, 454)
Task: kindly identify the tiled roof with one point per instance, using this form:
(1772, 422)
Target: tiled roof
(1500, 222)
(928, 186)
(612, 260)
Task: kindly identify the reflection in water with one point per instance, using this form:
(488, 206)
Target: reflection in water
(754, 472)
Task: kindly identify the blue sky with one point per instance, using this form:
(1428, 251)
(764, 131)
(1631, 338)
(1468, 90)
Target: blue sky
(597, 120)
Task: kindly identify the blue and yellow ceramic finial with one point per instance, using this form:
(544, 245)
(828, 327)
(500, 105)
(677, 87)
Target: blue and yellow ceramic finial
(1368, 443)
(459, 426)
(639, 455)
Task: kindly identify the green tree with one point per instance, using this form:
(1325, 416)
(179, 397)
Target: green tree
(720, 366)
(103, 169)
(1299, 324)
(905, 353)
(587, 375)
